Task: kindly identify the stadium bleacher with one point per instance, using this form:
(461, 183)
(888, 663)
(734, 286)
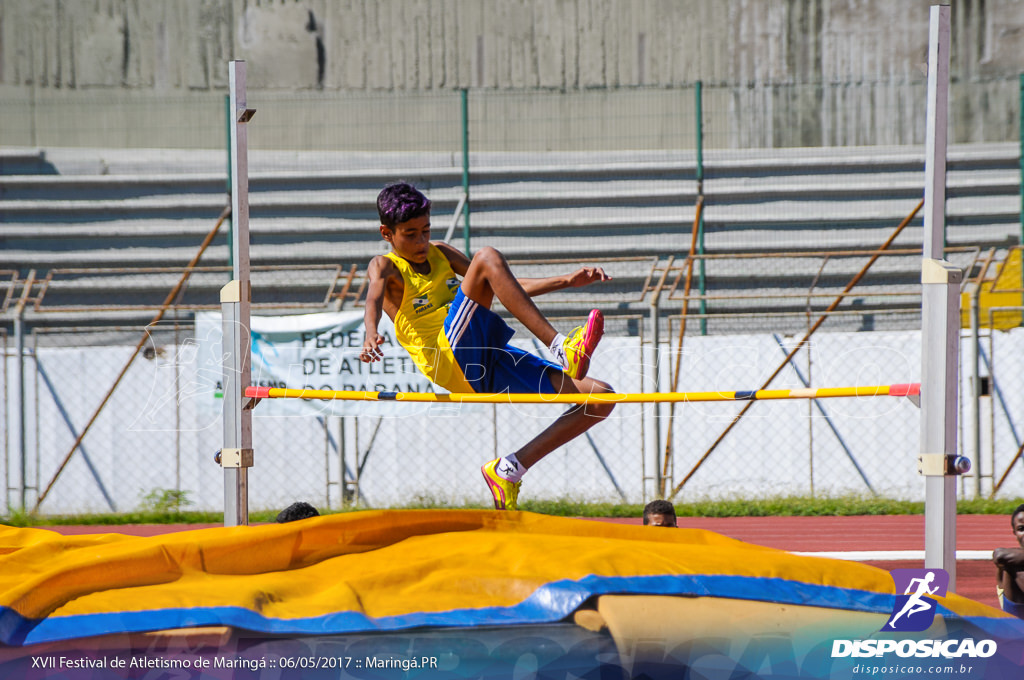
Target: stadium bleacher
(110, 230)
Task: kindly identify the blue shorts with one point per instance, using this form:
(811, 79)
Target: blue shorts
(479, 340)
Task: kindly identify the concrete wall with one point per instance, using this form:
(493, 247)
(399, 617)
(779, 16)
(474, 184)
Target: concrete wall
(156, 434)
(180, 47)
(171, 45)
(158, 431)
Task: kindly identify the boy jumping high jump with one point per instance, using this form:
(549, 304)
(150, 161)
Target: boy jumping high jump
(460, 344)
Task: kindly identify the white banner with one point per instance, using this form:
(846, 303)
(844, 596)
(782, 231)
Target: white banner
(311, 351)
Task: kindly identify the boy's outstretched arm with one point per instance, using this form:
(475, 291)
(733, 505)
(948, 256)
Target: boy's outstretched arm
(533, 287)
(583, 276)
(377, 274)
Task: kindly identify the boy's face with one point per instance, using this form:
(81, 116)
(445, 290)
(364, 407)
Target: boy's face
(409, 239)
(1018, 528)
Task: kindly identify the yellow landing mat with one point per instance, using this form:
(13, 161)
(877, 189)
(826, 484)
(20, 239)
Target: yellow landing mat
(401, 569)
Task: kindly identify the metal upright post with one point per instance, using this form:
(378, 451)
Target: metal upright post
(659, 481)
(701, 265)
(19, 344)
(237, 456)
(974, 404)
(1020, 136)
(940, 321)
(464, 115)
(656, 373)
(229, 124)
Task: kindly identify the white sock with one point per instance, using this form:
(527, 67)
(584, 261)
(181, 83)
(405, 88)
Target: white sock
(558, 350)
(510, 468)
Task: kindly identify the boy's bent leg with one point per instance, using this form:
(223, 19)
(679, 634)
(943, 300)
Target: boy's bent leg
(567, 427)
(572, 423)
(489, 276)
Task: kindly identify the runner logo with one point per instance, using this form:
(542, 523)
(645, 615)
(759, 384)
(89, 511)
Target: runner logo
(914, 611)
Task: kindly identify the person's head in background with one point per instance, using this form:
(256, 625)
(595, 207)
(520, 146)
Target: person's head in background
(660, 513)
(296, 511)
(1017, 524)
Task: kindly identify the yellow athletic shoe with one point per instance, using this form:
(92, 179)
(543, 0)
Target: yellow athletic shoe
(580, 344)
(505, 492)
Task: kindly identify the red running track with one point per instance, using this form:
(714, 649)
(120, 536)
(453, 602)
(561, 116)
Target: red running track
(975, 578)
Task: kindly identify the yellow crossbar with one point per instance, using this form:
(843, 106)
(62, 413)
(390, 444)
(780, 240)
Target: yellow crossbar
(898, 390)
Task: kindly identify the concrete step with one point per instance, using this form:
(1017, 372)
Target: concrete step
(24, 161)
(129, 210)
(298, 213)
(496, 184)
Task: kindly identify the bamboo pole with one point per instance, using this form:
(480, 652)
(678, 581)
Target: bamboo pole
(168, 301)
(682, 333)
(817, 324)
(999, 484)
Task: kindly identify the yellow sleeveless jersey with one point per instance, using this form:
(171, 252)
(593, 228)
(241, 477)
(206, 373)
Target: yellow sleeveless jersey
(419, 321)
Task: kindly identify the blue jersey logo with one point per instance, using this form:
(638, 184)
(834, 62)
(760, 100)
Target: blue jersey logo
(914, 611)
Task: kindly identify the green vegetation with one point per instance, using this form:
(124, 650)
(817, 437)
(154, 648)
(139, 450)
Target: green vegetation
(780, 506)
(164, 506)
(114, 519)
(762, 507)
(164, 501)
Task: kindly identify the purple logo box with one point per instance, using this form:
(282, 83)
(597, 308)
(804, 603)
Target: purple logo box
(914, 609)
